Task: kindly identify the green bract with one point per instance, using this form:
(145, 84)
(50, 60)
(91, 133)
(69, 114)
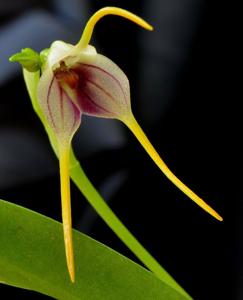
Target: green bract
(28, 58)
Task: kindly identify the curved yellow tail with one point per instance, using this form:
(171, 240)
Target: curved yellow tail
(142, 138)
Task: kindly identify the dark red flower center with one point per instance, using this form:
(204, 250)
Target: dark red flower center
(66, 75)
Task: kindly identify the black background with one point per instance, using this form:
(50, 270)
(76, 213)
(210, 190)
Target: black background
(195, 136)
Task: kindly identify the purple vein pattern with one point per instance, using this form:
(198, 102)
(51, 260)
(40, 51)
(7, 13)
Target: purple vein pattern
(95, 87)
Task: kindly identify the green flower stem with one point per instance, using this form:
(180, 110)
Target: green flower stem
(94, 198)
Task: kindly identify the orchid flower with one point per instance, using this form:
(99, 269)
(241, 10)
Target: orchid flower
(76, 80)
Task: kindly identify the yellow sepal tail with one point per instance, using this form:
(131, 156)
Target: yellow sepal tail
(132, 124)
(88, 30)
(64, 153)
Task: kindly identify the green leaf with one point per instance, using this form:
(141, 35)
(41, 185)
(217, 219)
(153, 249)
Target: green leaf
(28, 58)
(32, 257)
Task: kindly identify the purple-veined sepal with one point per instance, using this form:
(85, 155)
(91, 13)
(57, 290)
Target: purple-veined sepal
(98, 86)
(77, 82)
(62, 114)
